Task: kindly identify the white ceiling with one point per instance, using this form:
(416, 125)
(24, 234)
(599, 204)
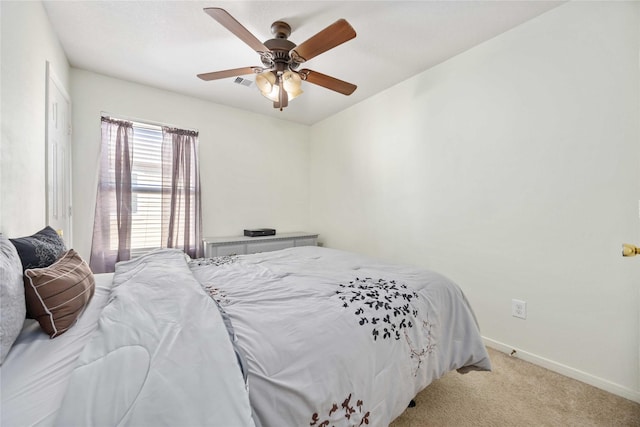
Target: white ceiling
(166, 43)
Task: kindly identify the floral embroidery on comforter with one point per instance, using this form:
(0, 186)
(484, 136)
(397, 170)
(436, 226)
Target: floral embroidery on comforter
(216, 261)
(384, 305)
(354, 414)
(387, 307)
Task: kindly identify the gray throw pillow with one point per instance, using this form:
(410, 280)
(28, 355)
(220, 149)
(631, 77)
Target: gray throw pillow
(12, 300)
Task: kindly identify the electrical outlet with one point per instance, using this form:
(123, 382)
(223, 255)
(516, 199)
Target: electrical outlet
(519, 308)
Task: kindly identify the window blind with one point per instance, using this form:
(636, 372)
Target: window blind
(146, 182)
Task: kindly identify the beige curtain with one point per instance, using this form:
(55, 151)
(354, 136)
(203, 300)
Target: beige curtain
(114, 194)
(181, 206)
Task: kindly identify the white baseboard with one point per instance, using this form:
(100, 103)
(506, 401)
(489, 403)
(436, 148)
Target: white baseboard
(567, 371)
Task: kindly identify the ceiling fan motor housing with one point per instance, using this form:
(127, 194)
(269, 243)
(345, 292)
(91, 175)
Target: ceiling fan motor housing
(279, 57)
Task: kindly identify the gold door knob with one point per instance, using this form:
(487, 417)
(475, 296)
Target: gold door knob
(630, 250)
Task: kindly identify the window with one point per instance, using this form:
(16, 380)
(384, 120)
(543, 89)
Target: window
(146, 189)
(148, 192)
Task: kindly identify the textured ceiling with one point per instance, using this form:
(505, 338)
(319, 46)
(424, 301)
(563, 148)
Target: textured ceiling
(165, 44)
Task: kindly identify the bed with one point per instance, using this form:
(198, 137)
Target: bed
(302, 336)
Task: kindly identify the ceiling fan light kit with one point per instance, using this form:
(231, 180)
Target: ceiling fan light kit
(268, 83)
(278, 78)
(265, 82)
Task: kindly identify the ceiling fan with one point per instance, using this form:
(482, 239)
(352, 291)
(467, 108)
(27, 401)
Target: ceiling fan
(279, 78)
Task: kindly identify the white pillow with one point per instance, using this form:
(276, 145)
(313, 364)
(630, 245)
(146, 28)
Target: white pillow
(13, 308)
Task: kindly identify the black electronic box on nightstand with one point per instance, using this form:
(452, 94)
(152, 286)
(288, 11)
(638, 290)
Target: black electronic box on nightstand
(255, 232)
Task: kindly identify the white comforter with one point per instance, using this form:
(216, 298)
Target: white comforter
(161, 355)
(338, 339)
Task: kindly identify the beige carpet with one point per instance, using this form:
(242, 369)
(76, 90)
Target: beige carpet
(516, 393)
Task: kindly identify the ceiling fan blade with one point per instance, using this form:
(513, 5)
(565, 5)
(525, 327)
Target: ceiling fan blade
(230, 23)
(229, 73)
(332, 36)
(328, 82)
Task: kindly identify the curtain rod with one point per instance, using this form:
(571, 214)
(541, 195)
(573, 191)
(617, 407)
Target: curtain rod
(144, 121)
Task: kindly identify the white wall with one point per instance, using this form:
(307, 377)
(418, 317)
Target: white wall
(514, 169)
(27, 43)
(253, 168)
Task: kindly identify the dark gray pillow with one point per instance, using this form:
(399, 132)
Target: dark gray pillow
(40, 249)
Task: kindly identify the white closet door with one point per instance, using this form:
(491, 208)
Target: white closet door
(58, 157)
